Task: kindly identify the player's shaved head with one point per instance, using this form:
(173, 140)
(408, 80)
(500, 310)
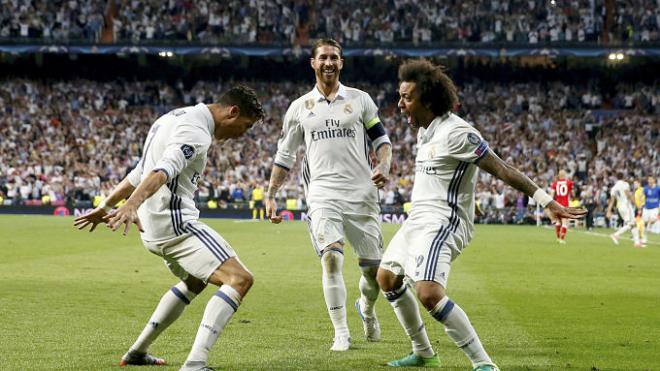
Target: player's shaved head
(436, 90)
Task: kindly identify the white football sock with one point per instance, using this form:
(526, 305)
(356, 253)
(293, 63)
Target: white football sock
(405, 307)
(169, 308)
(334, 290)
(635, 233)
(622, 230)
(369, 290)
(460, 330)
(218, 312)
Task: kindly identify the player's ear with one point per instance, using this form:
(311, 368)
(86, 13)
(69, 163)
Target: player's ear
(311, 62)
(234, 112)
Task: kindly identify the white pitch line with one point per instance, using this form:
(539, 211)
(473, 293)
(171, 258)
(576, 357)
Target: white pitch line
(605, 235)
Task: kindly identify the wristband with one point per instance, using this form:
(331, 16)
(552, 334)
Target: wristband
(541, 197)
(105, 207)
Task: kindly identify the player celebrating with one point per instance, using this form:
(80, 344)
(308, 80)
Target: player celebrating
(335, 123)
(620, 193)
(562, 189)
(440, 223)
(651, 204)
(161, 205)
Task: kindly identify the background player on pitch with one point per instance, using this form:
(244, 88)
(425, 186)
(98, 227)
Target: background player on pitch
(336, 124)
(621, 195)
(651, 204)
(161, 205)
(440, 223)
(562, 189)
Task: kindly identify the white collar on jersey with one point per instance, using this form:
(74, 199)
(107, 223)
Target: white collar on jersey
(428, 133)
(209, 117)
(318, 97)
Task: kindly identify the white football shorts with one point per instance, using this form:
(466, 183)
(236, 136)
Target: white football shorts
(197, 252)
(423, 252)
(330, 223)
(627, 214)
(650, 215)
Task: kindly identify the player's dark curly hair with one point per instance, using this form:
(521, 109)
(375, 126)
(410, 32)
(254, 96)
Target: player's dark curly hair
(246, 99)
(436, 90)
(321, 42)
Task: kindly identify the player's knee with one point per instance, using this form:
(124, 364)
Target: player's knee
(195, 285)
(332, 260)
(387, 280)
(369, 272)
(242, 281)
(429, 297)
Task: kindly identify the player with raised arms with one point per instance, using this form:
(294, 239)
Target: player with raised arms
(440, 224)
(160, 203)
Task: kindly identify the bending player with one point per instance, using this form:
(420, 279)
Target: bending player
(160, 203)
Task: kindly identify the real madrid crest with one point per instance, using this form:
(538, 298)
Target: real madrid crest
(309, 104)
(348, 109)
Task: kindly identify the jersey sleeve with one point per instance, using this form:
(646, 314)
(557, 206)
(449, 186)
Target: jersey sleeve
(375, 129)
(290, 139)
(186, 144)
(135, 176)
(467, 144)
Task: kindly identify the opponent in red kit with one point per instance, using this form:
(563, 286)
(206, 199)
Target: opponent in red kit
(561, 192)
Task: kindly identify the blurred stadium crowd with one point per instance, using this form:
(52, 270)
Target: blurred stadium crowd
(354, 22)
(71, 141)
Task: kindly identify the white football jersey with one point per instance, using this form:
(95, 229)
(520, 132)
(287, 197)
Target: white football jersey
(177, 144)
(446, 175)
(336, 164)
(618, 191)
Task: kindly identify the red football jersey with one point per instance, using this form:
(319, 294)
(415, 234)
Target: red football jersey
(563, 189)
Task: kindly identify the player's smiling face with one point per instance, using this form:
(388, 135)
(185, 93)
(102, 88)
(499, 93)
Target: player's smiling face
(411, 105)
(327, 64)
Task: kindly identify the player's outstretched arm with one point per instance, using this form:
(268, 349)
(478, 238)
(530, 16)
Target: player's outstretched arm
(494, 165)
(127, 213)
(95, 217)
(381, 172)
(277, 177)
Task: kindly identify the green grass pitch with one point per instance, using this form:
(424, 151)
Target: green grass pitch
(73, 300)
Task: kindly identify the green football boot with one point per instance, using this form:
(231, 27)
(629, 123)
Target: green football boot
(413, 360)
(487, 368)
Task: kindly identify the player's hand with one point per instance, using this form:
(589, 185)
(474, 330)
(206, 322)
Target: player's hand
(380, 176)
(93, 218)
(557, 212)
(608, 214)
(271, 211)
(127, 215)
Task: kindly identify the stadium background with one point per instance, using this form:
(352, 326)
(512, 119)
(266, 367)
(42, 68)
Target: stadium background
(550, 84)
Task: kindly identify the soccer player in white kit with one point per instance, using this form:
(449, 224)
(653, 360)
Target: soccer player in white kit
(620, 193)
(336, 124)
(440, 221)
(160, 202)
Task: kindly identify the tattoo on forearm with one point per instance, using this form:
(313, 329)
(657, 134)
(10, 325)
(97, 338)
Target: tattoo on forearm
(384, 155)
(277, 178)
